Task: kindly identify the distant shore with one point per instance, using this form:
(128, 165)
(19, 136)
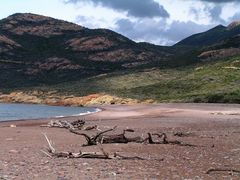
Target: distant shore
(51, 98)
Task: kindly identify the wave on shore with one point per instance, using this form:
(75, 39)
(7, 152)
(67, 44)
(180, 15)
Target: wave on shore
(80, 114)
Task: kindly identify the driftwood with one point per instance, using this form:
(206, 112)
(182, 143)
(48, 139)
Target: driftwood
(212, 170)
(79, 125)
(121, 138)
(102, 138)
(163, 136)
(183, 134)
(165, 140)
(118, 156)
(88, 128)
(109, 139)
(51, 152)
(65, 124)
(92, 140)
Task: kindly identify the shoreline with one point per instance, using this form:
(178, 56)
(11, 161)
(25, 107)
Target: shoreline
(101, 109)
(166, 107)
(96, 110)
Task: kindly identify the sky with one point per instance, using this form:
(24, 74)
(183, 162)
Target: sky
(162, 22)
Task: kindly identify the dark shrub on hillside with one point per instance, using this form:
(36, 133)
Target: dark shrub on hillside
(215, 98)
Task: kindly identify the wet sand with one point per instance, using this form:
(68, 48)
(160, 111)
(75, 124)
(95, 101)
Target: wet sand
(214, 128)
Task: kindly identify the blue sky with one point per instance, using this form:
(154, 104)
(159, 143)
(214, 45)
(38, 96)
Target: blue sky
(53, 8)
(157, 21)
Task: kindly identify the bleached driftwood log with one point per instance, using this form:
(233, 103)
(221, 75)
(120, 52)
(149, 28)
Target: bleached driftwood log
(94, 139)
(104, 138)
(165, 140)
(79, 125)
(219, 170)
(51, 152)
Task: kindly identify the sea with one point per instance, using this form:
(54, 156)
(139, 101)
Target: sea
(30, 111)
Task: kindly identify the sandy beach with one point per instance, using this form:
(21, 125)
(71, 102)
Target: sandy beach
(213, 128)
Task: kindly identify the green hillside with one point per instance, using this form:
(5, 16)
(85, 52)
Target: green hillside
(216, 81)
(210, 37)
(46, 54)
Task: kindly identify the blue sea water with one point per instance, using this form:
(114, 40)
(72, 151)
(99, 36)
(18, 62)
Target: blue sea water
(30, 111)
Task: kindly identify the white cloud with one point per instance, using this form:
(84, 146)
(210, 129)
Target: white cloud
(159, 32)
(187, 17)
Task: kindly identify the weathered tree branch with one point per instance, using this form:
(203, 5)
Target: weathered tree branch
(51, 152)
(165, 141)
(121, 138)
(79, 125)
(65, 124)
(92, 140)
(212, 170)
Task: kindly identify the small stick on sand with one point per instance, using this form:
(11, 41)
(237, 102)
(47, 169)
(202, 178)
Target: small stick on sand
(212, 170)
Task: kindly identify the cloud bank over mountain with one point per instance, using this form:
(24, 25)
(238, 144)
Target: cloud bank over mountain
(162, 22)
(155, 21)
(135, 8)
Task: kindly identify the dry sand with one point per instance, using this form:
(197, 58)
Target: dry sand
(215, 128)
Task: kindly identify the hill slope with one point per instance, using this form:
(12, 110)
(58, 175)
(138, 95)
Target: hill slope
(212, 36)
(217, 43)
(42, 50)
(43, 58)
(216, 81)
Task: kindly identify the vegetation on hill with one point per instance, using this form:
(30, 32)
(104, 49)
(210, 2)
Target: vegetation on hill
(212, 36)
(38, 50)
(39, 53)
(210, 82)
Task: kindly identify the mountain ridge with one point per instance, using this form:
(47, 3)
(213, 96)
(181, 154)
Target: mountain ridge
(40, 50)
(44, 46)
